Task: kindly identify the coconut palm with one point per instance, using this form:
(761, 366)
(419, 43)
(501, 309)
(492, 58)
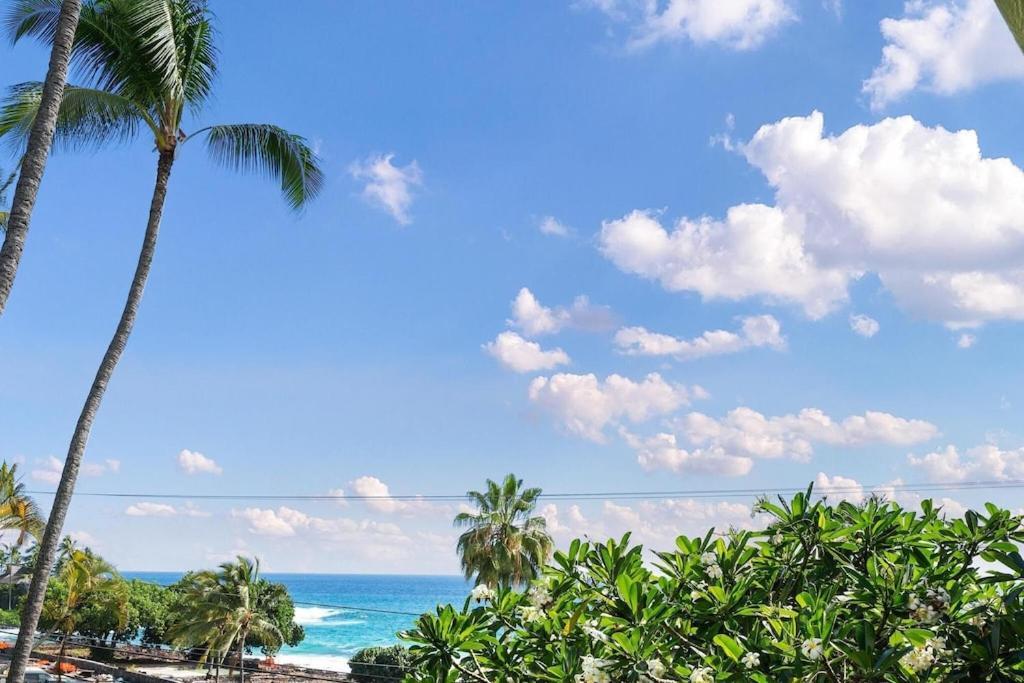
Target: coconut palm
(1013, 14)
(147, 66)
(84, 578)
(20, 514)
(224, 609)
(63, 19)
(5, 185)
(503, 545)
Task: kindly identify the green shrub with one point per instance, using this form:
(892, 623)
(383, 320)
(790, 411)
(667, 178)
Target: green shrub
(379, 664)
(841, 594)
(10, 617)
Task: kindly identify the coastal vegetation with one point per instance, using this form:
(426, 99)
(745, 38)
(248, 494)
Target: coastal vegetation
(504, 544)
(841, 593)
(146, 66)
(377, 664)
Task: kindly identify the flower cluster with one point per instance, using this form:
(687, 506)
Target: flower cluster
(482, 593)
(923, 657)
(711, 566)
(593, 671)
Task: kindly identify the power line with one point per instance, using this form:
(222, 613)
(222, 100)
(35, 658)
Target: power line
(567, 496)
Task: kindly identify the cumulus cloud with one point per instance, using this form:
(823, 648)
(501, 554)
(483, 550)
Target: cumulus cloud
(746, 432)
(985, 462)
(662, 451)
(737, 24)
(49, 469)
(194, 462)
(941, 225)
(534, 319)
(756, 331)
(943, 46)
(864, 325)
(379, 498)
(839, 488)
(388, 186)
(521, 355)
(966, 340)
(149, 509)
(585, 405)
(549, 225)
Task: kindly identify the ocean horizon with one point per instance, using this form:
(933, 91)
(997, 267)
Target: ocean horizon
(338, 610)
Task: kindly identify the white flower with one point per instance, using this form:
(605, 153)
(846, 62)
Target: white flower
(812, 649)
(913, 603)
(482, 592)
(592, 629)
(702, 675)
(709, 558)
(918, 659)
(530, 614)
(938, 645)
(925, 614)
(751, 660)
(777, 539)
(655, 668)
(714, 571)
(592, 671)
(539, 596)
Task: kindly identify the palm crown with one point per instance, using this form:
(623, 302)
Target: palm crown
(503, 544)
(145, 66)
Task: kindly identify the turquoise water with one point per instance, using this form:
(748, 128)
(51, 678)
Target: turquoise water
(333, 634)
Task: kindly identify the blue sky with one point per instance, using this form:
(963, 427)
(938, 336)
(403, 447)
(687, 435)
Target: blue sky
(305, 354)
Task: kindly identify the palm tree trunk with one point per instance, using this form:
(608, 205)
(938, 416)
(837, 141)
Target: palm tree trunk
(60, 655)
(65, 489)
(39, 140)
(241, 656)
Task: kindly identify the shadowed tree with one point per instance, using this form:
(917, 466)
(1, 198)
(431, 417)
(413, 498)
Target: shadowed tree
(223, 609)
(146, 66)
(18, 514)
(503, 544)
(63, 18)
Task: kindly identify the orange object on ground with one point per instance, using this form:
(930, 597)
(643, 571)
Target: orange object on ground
(66, 668)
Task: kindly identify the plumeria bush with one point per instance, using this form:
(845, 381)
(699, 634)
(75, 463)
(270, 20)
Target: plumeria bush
(828, 593)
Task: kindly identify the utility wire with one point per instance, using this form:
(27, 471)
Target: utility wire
(569, 496)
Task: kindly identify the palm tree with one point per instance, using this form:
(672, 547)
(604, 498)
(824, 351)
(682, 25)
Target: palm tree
(1013, 14)
(63, 20)
(20, 514)
(503, 545)
(85, 578)
(5, 185)
(148, 64)
(225, 609)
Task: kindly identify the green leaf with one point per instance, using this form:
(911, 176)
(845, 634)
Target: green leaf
(729, 646)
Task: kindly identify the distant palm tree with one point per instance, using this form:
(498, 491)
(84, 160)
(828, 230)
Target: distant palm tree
(64, 19)
(5, 185)
(146, 63)
(503, 545)
(20, 514)
(224, 609)
(85, 577)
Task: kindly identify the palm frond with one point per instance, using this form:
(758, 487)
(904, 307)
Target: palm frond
(37, 18)
(271, 151)
(87, 118)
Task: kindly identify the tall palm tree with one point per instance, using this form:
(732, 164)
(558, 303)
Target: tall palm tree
(64, 19)
(225, 608)
(503, 544)
(5, 185)
(84, 578)
(147, 66)
(1013, 14)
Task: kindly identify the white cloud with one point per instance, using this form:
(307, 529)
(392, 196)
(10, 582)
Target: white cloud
(942, 226)
(194, 462)
(662, 451)
(266, 522)
(838, 488)
(746, 432)
(585, 405)
(966, 340)
(49, 469)
(736, 24)
(864, 325)
(757, 331)
(149, 509)
(381, 499)
(520, 355)
(943, 46)
(388, 186)
(534, 319)
(985, 462)
(549, 225)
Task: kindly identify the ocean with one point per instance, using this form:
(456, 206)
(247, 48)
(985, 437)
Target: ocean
(334, 634)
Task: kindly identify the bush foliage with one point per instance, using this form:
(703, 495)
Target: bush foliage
(829, 593)
(379, 664)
